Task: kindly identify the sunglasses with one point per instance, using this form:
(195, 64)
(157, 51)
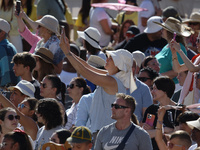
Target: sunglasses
(71, 86)
(130, 35)
(22, 106)
(171, 145)
(143, 79)
(193, 23)
(11, 117)
(118, 106)
(44, 85)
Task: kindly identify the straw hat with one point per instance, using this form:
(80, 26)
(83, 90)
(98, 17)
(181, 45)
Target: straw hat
(194, 17)
(45, 55)
(96, 61)
(91, 35)
(174, 25)
(25, 87)
(49, 22)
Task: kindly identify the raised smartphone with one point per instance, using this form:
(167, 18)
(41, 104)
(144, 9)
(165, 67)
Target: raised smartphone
(150, 119)
(18, 7)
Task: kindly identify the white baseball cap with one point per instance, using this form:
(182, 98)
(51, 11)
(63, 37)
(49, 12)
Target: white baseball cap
(151, 26)
(4, 25)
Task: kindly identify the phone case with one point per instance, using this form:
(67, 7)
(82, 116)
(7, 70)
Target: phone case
(150, 119)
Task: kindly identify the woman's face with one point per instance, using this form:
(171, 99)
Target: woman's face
(194, 25)
(38, 65)
(110, 66)
(10, 122)
(24, 108)
(157, 94)
(126, 26)
(74, 91)
(42, 31)
(46, 89)
(7, 144)
(154, 64)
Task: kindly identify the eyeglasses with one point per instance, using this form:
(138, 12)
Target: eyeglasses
(171, 145)
(143, 79)
(130, 35)
(71, 86)
(44, 85)
(22, 106)
(11, 117)
(118, 106)
(193, 23)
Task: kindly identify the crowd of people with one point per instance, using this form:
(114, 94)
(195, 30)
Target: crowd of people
(130, 85)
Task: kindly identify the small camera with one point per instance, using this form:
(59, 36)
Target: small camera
(149, 116)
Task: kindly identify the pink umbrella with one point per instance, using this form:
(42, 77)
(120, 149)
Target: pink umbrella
(118, 6)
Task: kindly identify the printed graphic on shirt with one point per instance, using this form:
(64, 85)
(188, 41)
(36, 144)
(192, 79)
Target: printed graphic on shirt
(152, 51)
(113, 143)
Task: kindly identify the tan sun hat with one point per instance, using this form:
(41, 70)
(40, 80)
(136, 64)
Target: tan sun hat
(96, 61)
(174, 25)
(49, 22)
(45, 55)
(194, 17)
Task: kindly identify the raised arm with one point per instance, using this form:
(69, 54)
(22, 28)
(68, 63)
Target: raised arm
(28, 123)
(176, 47)
(159, 139)
(108, 83)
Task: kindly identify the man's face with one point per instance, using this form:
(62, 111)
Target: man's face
(118, 113)
(16, 97)
(81, 146)
(19, 69)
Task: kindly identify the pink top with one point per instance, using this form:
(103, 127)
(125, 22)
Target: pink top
(31, 38)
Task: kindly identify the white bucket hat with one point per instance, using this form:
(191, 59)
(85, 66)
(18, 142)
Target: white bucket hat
(49, 22)
(194, 124)
(123, 59)
(91, 35)
(174, 25)
(4, 25)
(26, 87)
(151, 27)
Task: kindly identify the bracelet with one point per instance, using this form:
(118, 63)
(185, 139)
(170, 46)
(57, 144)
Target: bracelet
(68, 54)
(160, 122)
(158, 128)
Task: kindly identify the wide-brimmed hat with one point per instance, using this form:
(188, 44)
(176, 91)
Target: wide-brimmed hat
(171, 12)
(174, 25)
(80, 135)
(45, 55)
(25, 87)
(151, 27)
(194, 17)
(91, 35)
(194, 124)
(4, 25)
(96, 61)
(49, 22)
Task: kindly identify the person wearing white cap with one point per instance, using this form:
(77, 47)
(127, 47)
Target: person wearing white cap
(116, 78)
(7, 51)
(22, 90)
(150, 42)
(47, 29)
(195, 126)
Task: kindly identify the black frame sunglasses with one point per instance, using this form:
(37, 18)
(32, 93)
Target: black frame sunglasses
(143, 79)
(71, 86)
(116, 106)
(11, 117)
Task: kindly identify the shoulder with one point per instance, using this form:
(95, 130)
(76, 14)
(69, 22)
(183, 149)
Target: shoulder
(107, 127)
(139, 130)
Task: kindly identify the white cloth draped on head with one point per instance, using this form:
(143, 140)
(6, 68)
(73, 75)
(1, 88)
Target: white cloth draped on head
(123, 60)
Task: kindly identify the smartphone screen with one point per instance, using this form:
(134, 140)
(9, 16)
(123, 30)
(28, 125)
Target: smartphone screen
(18, 7)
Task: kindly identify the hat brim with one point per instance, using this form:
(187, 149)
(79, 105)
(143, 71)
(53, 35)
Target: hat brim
(88, 39)
(40, 23)
(194, 124)
(47, 61)
(24, 92)
(191, 20)
(165, 26)
(76, 140)
(147, 30)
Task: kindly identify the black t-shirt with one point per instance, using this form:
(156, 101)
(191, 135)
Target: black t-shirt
(141, 42)
(153, 109)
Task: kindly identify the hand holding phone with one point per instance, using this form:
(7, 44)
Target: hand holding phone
(150, 119)
(18, 7)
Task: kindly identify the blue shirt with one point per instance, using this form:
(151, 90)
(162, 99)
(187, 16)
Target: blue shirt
(7, 51)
